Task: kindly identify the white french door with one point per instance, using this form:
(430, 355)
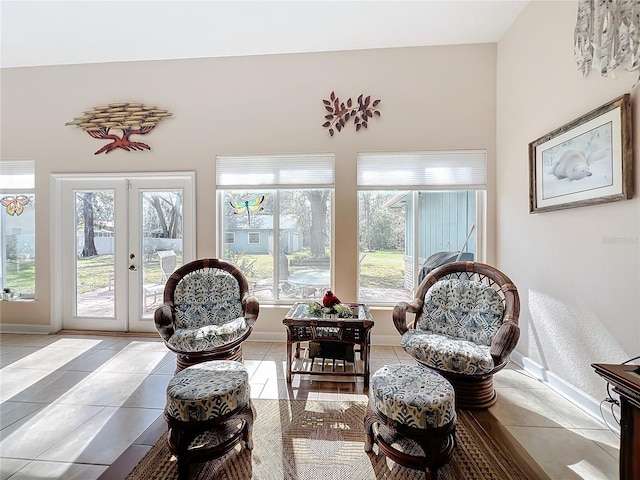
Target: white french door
(116, 239)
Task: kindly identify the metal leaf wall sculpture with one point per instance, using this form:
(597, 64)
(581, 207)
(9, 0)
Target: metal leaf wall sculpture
(340, 113)
(128, 118)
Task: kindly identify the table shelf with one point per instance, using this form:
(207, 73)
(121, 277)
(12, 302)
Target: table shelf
(303, 328)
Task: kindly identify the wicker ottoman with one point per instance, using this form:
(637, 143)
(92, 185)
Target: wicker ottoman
(411, 416)
(208, 412)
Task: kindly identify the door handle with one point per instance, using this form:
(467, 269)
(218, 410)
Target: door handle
(133, 268)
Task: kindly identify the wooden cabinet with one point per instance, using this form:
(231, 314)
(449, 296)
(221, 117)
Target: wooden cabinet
(626, 383)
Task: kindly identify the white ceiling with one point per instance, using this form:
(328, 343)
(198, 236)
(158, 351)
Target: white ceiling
(69, 32)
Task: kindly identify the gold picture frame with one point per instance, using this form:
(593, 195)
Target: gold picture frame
(585, 162)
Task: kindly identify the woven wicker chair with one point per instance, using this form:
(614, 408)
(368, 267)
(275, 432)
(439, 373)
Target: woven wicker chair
(207, 312)
(465, 327)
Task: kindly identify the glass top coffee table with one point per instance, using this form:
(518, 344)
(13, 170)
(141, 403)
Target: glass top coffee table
(331, 333)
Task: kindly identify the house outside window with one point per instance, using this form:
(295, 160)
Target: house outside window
(279, 210)
(229, 238)
(17, 228)
(254, 237)
(416, 211)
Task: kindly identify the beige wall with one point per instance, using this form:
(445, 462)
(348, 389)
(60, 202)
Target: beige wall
(436, 98)
(577, 270)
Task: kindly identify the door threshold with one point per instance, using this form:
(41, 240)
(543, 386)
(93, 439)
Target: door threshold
(108, 333)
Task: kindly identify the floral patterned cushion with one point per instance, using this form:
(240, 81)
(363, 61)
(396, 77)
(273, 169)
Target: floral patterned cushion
(413, 395)
(207, 390)
(446, 353)
(204, 338)
(207, 297)
(462, 309)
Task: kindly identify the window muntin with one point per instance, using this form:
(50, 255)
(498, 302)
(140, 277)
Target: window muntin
(392, 199)
(17, 228)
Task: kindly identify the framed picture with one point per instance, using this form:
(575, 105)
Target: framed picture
(585, 162)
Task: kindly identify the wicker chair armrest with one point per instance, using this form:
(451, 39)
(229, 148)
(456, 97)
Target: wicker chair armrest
(163, 318)
(251, 309)
(504, 342)
(400, 314)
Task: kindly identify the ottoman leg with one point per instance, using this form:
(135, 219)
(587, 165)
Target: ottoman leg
(183, 469)
(438, 449)
(369, 420)
(247, 414)
(180, 441)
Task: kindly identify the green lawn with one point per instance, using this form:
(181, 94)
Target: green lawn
(383, 269)
(20, 276)
(93, 273)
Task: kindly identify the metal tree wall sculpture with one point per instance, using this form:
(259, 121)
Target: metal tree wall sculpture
(128, 118)
(340, 113)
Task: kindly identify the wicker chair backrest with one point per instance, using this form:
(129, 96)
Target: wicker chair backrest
(463, 309)
(207, 296)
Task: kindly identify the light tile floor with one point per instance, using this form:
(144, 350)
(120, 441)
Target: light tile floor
(72, 404)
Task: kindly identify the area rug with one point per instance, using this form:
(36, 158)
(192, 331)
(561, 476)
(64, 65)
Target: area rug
(321, 440)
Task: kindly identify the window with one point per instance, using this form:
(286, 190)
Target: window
(416, 211)
(17, 227)
(229, 238)
(279, 210)
(254, 237)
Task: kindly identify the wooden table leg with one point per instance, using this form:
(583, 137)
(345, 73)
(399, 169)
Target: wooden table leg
(365, 347)
(289, 361)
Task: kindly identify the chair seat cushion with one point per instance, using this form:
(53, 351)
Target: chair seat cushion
(207, 390)
(413, 395)
(207, 337)
(447, 353)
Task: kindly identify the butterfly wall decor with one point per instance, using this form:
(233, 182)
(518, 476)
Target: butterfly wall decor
(15, 205)
(247, 206)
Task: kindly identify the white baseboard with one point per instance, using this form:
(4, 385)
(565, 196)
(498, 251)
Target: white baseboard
(576, 396)
(386, 340)
(268, 336)
(26, 329)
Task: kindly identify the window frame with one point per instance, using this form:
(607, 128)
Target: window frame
(275, 173)
(253, 234)
(477, 182)
(14, 173)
